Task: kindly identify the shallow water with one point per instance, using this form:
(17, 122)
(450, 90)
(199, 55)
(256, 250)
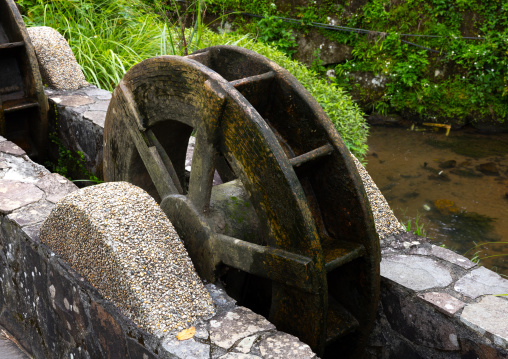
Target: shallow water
(456, 185)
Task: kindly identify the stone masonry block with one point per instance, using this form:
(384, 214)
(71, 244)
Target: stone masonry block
(282, 345)
(31, 214)
(444, 302)
(229, 327)
(11, 148)
(417, 273)
(481, 281)
(55, 186)
(14, 195)
(445, 254)
(489, 315)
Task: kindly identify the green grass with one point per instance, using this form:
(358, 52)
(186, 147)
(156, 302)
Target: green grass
(477, 258)
(108, 37)
(415, 227)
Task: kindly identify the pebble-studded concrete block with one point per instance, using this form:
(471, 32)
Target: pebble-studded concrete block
(489, 315)
(481, 281)
(417, 273)
(444, 302)
(229, 327)
(282, 345)
(14, 195)
(117, 237)
(57, 64)
(384, 219)
(55, 186)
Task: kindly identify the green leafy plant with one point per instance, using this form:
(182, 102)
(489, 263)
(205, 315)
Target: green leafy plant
(109, 36)
(317, 63)
(70, 164)
(277, 33)
(415, 227)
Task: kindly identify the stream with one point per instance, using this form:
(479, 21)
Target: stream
(456, 186)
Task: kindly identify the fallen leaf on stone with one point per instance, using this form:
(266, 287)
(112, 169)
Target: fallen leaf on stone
(186, 333)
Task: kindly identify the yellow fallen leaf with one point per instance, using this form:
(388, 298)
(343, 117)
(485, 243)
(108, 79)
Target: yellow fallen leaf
(186, 333)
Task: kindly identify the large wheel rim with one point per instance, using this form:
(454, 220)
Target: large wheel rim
(161, 100)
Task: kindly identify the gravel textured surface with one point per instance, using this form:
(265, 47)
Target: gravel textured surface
(57, 63)
(118, 238)
(386, 222)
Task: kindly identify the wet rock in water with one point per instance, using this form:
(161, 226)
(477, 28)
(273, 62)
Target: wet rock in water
(387, 188)
(385, 120)
(489, 168)
(448, 164)
(440, 177)
(410, 175)
(466, 172)
(446, 207)
(412, 194)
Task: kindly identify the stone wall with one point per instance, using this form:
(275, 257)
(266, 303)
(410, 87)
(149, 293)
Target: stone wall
(434, 303)
(55, 313)
(437, 304)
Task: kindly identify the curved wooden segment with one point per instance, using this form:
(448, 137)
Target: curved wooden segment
(23, 104)
(333, 189)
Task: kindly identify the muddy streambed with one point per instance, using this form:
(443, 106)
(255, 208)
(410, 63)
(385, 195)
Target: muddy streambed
(456, 186)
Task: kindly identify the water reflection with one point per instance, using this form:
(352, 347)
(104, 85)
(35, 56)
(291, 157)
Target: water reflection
(457, 185)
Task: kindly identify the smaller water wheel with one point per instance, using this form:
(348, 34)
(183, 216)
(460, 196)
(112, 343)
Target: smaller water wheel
(23, 104)
(290, 226)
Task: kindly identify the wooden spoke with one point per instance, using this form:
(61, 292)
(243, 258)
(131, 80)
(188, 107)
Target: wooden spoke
(249, 81)
(205, 151)
(166, 160)
(18, 105)
(311, 155)
(11, 45)
(150, 156)
(201, 177)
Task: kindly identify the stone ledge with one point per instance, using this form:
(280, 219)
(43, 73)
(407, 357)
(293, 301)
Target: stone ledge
(78, 117)
(488, 316)
(51, 308)
(433, 292)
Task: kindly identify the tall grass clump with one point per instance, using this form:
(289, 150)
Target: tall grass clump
(108, 37)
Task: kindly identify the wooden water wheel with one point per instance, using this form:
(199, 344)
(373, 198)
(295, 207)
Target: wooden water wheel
(23, 104)
(291, 216)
